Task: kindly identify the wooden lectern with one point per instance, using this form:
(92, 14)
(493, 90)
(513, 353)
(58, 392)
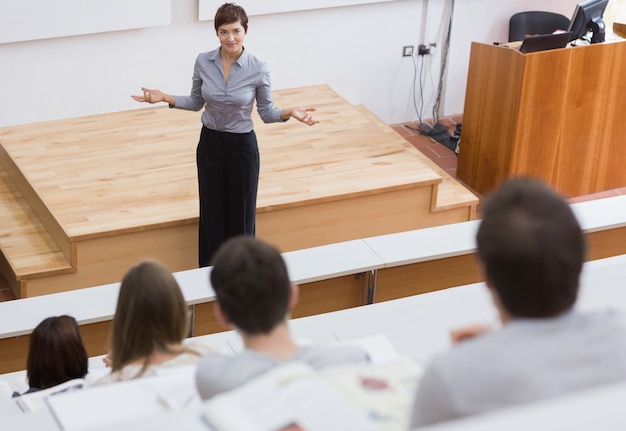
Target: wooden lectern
(557, 115)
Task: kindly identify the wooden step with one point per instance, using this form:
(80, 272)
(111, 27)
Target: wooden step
(450, 193)
(28, 250)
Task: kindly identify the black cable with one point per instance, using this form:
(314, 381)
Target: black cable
(444, 62)
(421, 94)
(421, 88)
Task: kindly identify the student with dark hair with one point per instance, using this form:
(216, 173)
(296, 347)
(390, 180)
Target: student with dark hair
(227, 82)
(56, 354)
(255, 296)
(532, 250)
(150, 323)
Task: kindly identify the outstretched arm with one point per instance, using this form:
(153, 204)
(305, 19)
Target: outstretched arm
(154, 96)
(301, 114)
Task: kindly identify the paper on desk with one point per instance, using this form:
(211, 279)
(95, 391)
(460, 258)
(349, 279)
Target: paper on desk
(382, 392)
(104, 405)
(36, 401)
(171, 389)
(378, 348)
(290, 397)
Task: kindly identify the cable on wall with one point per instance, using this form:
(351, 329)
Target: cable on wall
(444, 62)
(438, 131)
(421, 88)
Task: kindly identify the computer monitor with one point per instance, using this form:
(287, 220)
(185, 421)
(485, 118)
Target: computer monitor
(588, 17)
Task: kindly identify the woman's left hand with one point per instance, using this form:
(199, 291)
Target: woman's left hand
(303, 115)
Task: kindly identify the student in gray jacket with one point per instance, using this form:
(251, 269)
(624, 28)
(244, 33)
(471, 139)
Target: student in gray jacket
(532, 250)
(255, 296)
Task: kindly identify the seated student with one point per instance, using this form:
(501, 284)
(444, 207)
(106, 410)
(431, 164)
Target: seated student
(254, 296)
(56, 354)
(150, 323)
(532, 250)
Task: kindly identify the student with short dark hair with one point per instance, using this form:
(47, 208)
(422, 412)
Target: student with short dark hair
(532, 250)
(255, 296)
(56, 354)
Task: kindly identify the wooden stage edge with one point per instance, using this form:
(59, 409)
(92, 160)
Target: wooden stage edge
(83, 199)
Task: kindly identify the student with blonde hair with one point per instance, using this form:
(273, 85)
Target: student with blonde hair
(150, 323)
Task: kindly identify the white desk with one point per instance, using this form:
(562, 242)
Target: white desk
(166, 421)
(97, 304)
(419, 326)
(601, 214)
(367, 255)
(89, 305)
(438, 242)
(594, 409)
(331, 261)
(42, 420)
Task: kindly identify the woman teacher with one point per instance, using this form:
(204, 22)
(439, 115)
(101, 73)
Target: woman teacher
(226, 82)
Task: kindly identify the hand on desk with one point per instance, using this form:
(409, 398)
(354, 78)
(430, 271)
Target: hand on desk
(468, 332)
(107, 360)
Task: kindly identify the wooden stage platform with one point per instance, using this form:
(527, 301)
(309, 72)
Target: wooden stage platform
(83, 199)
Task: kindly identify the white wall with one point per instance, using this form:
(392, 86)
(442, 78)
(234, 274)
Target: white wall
(354, 49)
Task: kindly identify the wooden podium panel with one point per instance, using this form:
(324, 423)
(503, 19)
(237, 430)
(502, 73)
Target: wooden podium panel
(557, 115)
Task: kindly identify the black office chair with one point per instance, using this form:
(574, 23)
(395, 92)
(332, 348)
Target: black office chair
(535, 22)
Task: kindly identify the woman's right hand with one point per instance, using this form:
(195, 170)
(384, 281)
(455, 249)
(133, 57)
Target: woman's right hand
(153, 96)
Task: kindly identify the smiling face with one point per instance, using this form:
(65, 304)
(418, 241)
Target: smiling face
(231, 38)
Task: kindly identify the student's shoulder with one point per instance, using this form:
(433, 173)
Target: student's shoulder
(612, 323)
(473, 353)
(213, 361)
(617, 317)
(219, 365)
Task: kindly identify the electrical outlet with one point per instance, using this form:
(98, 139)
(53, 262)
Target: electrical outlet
(426, 49)
(407, 51)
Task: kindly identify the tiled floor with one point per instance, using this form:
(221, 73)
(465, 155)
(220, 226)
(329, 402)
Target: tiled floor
(440, 154)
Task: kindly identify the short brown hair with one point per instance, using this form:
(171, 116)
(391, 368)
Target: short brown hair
(532, 248)
(251, 284)
(229, 13)
(151, 314)
(56, 353)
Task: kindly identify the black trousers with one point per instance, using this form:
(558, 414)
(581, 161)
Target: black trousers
(228, 179)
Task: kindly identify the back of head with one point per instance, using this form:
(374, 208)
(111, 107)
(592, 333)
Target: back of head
(251, 283)
(151, 314)
(229, 13)
(56, 353)
(532, 248)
